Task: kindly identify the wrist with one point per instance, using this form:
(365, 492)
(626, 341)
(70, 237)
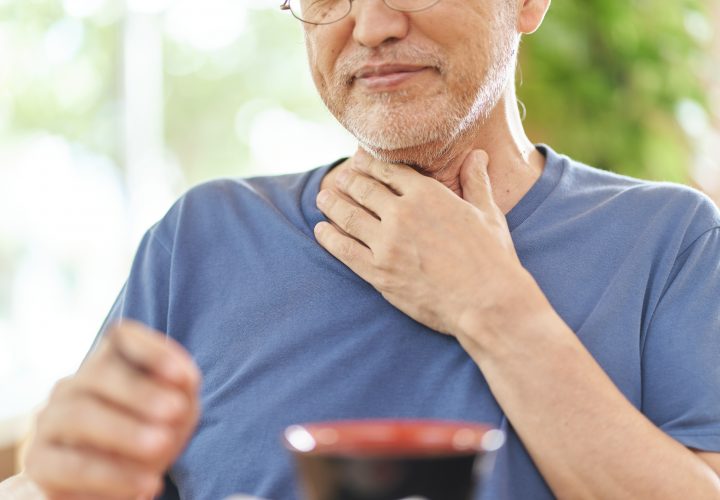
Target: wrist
(494, 325)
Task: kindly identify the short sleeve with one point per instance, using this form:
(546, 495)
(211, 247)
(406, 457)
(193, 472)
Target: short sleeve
(681, 352)
(145, 295)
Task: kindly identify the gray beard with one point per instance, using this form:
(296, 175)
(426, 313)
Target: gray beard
(395, 136)
(407, 140)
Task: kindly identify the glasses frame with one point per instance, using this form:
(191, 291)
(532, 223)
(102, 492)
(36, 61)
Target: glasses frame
(286, 6)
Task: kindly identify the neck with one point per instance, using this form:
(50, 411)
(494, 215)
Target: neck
(514, 165)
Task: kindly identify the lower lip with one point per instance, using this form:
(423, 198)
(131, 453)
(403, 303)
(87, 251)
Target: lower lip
(390, 80)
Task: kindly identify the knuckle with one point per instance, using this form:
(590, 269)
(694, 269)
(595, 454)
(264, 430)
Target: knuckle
(364, 192)
(390, 254)
(385, 281)
(62, 385)
(385, 171)
(351, 219)
(61, 389)
(485, 179)
(91, 373)
(395, 253)
(347, 250)
(330, 201)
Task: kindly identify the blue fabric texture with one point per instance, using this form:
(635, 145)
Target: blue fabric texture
(285, 333)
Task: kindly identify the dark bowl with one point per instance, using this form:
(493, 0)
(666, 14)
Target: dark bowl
(392, 459)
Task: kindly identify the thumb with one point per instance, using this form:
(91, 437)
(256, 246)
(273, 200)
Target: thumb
(475, 180)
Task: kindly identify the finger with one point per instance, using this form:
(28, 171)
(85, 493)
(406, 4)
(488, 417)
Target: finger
(155, 353)
(400, 178)
(89, 423)
(348, 251)
(475, 180)
(110, 378)
(66, 470)
(352, 219)
(366, 191)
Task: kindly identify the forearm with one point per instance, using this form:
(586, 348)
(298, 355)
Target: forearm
(586, 438)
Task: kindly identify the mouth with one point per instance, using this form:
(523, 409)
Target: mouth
(386, 77)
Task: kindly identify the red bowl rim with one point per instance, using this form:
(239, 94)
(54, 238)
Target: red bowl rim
(392, 438)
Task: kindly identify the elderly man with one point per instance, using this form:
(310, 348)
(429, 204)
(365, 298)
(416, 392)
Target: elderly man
(448, 269)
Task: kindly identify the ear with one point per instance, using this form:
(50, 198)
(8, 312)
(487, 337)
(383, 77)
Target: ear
(531, 15)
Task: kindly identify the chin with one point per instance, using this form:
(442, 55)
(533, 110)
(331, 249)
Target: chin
(423, 140)
(412, 138)
(423, 157)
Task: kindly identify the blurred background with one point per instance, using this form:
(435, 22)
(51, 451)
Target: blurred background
(110, 109)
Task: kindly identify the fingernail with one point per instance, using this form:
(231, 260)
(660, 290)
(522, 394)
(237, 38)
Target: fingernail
(481, 157)
(319, 228)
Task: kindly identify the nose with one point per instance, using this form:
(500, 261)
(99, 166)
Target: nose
(376, 23)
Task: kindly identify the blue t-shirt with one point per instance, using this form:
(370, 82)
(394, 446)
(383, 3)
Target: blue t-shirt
(285, 333)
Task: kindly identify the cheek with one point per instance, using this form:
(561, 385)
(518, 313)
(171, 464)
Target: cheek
(324, 45)
(318, 67)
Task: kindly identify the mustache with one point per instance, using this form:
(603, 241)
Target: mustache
(349, 65)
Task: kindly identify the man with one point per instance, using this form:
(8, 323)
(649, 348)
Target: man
(449, 269)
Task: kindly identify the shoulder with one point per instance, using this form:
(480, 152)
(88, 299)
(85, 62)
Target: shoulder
(221, 193)
(221, 204)
(661, 206)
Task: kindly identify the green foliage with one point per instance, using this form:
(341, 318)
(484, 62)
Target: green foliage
(602, 79)
(211, 105)
(74, 95)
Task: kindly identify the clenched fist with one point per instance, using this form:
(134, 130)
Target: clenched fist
(111, 430)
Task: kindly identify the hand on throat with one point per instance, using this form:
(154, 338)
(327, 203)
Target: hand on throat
(512, 170)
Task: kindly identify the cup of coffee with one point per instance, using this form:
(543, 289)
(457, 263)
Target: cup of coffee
(392, 459)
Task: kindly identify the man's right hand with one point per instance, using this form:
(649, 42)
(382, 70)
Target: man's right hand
(111, 430)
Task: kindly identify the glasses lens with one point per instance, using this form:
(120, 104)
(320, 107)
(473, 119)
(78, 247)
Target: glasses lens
(410, 5)
(320, 11)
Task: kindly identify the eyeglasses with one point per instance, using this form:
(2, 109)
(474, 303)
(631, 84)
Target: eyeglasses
(330, 11)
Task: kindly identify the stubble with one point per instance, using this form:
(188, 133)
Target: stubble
(418, 126)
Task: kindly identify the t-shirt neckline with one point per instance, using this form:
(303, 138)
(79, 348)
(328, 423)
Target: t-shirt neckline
(540, 190)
